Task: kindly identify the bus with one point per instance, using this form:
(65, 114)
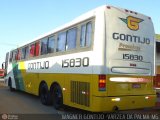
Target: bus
(103, 60)
(2, 70)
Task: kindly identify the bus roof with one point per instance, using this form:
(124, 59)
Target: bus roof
(81, 18)
(78, 19)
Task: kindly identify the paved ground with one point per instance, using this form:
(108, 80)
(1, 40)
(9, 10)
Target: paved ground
(19, 102)
(28, 106)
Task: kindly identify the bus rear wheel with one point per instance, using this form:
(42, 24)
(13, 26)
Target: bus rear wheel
(44, 94)
(57, 97)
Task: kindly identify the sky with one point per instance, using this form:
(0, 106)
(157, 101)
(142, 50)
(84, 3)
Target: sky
(24, 20)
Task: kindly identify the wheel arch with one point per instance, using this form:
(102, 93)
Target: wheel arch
(53, 85)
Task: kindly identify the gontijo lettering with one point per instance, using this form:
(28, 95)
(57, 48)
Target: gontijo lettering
(38, 65)
(130, 38)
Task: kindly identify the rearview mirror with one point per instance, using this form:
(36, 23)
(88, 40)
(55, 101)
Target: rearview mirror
(3, 65)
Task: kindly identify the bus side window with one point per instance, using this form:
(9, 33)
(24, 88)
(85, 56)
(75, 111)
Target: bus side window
(26, 52)
(32, 50)
(18, 55)
(86, 35)
(23, 53)
(51, 44)
(71, 39)
(44, 46)
(11, 56)
(61, 41)
(14, 55)
(37, 49)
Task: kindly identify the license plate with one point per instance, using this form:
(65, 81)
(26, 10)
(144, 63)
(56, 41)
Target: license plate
(136, 85)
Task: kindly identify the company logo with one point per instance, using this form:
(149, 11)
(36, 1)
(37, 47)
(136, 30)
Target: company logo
(132, 22)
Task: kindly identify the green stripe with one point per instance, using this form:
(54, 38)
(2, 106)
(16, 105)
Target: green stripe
(18, 77)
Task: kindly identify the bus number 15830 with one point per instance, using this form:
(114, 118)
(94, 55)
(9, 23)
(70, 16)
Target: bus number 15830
(132, 57)
(77, 62)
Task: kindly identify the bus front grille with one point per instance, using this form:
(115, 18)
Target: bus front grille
(80, 93)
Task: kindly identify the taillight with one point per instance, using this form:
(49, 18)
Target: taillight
(102, 83)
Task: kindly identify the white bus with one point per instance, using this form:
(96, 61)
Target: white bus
(103, 60)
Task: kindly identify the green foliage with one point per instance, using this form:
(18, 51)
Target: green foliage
(158, 36)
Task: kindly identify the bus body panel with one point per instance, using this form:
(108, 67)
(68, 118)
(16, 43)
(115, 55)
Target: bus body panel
(130, 53)
(126, 102)
(129, 44)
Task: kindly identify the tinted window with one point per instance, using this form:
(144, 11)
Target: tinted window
(18, 56)
(71, 38)
(23, 52)
(51, 43)
(11, 56)
(83, 34)
(27, 52)
(86, 34)
(61, 41)
(32, 50)
(14, 55)
(37, 49)
(44, 46)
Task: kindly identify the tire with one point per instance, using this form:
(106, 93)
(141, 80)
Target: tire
(45, 96)
(10, 86)
(57, 97)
